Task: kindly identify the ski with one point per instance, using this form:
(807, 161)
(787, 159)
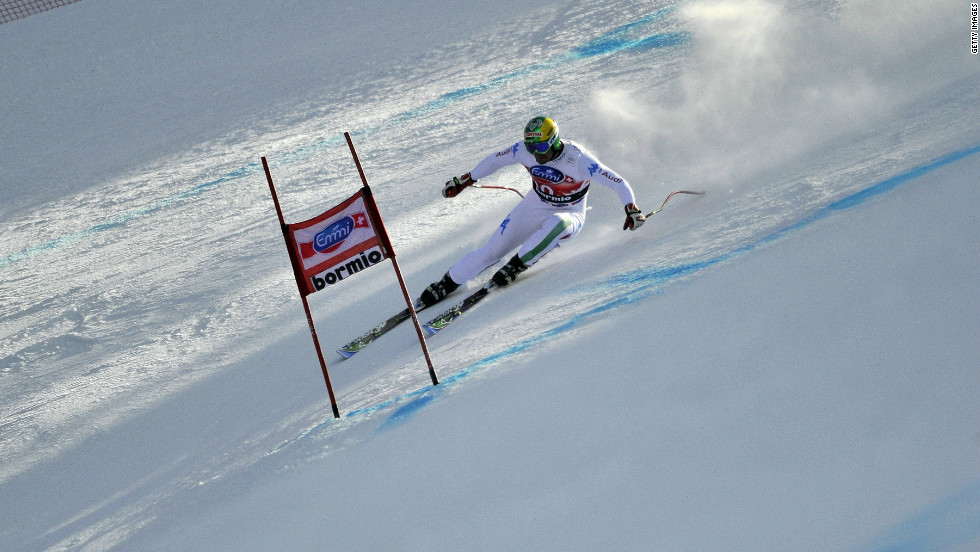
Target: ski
(431, 327)
(440, 322)
(360, 343)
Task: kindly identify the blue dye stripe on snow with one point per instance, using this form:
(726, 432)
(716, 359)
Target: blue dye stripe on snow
(643, 278)
(406, 412)
(123, 219)
(639, 284)
(615, 41)
(949, 525)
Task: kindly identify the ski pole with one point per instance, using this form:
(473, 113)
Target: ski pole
(498, 188)
(672, 194)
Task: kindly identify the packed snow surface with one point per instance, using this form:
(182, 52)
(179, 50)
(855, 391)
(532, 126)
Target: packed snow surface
(788, 362)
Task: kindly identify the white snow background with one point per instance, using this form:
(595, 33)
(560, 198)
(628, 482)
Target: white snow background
(788, 363)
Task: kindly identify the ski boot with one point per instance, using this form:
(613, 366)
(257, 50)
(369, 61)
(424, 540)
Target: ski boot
(437, 291)
(509, 272)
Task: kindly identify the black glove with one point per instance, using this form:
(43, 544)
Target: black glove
(634, 217)
(456, 185)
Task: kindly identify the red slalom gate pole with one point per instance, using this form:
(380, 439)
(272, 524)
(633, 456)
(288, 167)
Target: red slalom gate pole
(390, 251)
(306, 304)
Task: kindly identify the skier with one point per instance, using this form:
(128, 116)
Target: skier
(561, 172)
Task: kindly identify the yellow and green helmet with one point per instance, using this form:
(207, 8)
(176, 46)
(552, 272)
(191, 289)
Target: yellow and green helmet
(541, 135)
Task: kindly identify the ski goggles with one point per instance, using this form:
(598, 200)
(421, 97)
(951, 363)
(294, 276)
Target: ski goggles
(537, 147)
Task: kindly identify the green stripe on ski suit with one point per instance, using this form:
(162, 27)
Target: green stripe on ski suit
(555, 232)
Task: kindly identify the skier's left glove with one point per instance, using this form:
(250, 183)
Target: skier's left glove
(456, 185)
(634, 217)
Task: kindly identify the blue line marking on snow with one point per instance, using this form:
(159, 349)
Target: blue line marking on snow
(615, 41)
(124, 219)
(391, 402)
(641, 279)
(406, 412)
(640, 284)
(948, 525)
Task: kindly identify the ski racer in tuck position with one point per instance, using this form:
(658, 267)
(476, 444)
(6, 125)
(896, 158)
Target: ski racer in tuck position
(561, 173)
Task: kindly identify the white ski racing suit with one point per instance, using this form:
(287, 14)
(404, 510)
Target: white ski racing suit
(555, 212)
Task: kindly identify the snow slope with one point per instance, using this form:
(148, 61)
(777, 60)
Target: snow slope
(787, 363)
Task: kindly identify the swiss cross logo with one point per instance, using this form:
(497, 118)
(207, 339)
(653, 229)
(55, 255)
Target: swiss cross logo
(332, 237)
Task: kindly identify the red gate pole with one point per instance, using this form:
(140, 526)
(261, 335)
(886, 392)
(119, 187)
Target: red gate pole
(386, 243)
(306, 304)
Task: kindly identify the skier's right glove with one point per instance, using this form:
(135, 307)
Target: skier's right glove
(634, 217)
(456, 185)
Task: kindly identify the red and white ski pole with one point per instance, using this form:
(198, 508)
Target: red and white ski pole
(672, 194)
(498, 188)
